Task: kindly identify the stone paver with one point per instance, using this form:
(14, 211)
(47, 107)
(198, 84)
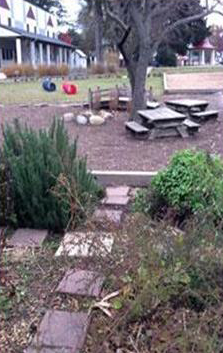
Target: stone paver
(116, 200)
(61, 330)
(117, 196)
(117, 191)
(86, 244)
(48, 350)
(110, 216)
(27, 237)
(80, 282)
(41, 105)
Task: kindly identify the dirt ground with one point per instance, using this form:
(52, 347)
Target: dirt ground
(196, 81)
(109, 147)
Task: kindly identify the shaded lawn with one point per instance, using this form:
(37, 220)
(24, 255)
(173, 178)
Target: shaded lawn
(32, 92)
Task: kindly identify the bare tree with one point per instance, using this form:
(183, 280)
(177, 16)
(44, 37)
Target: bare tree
(92, 19)
(140, 26)
(98, 17)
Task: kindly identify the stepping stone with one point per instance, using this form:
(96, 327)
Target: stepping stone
(110, 216)
(117, 196)
(48, 350)
(116, 200)
(80, 282)
(61, 331)
(27, 237)
(117, 191)
(86, 244)
(23, 105)
(41, 105)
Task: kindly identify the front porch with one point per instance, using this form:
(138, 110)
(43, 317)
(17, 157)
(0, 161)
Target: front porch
(18, 49)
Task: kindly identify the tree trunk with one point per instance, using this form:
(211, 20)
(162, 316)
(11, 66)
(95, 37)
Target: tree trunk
(138, 82)
(98, 31)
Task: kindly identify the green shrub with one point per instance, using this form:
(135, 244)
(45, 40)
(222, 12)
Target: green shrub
(37, 162)
(7, 214)
(191, 184)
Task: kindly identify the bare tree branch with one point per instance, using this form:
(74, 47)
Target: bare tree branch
(115, 18)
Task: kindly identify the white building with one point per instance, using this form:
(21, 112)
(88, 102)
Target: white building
(29, 35)
(80, 59)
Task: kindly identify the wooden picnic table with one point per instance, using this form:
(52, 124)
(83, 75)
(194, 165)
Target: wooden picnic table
(188, 106)
(164, 122)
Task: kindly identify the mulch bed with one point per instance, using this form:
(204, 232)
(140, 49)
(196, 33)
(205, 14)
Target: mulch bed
(109, 147)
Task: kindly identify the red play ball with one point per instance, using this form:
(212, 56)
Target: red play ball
(69, 88)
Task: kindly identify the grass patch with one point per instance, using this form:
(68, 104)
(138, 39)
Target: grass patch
(32, 92)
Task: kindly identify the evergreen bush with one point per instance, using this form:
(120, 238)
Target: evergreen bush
(7, 214)
(37, 161)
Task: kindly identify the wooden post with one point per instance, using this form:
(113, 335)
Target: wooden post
(90, 98)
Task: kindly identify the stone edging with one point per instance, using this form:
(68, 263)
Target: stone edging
(130, 178)
(165, 83)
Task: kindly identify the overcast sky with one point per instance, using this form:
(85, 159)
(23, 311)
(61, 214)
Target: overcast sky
(73, 7)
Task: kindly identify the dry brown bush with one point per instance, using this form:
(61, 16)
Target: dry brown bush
(52, 70)
(97, 69)
(15, 70)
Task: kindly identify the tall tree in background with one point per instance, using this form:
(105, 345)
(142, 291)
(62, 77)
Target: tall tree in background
(91, 22)
(217, 41)
(98, 18)
(178, 40)
(140, 27)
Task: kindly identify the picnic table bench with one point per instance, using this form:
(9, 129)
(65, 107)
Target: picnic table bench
(164, 122)
(205, 115)
(192, 127)
(187, 105)
(137, 129)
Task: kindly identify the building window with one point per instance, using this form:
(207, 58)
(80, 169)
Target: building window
(7, 54)
(27, 28)
(35, 30)
(48, 33)
(9, 22)
(53, 35)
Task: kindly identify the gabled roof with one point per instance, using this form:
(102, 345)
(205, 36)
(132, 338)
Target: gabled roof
(30, 14)
(36, 37)
(206, 44)
(4, 4)
(80, 53)
(50, 22)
